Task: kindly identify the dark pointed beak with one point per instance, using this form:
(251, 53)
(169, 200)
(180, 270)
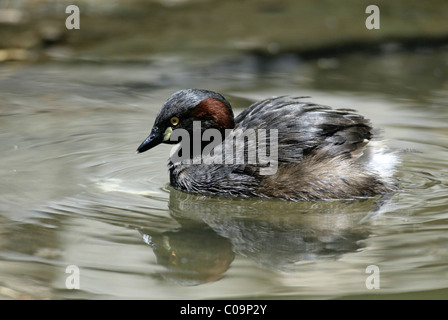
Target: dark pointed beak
(154, 139)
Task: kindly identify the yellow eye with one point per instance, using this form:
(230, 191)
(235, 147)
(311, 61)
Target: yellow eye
(174, 121)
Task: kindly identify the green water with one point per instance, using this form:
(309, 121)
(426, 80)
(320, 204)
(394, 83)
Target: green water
(73, 191)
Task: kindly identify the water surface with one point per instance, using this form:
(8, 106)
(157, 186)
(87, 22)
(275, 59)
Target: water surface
(73, 191)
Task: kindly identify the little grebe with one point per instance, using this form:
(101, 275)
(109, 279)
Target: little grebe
(320, 152)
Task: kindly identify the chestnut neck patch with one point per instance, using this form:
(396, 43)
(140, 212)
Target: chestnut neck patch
(215, 110)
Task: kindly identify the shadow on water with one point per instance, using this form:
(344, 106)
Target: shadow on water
(277, 235)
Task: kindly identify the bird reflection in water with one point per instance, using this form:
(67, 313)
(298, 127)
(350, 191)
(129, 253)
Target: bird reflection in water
(276, 234)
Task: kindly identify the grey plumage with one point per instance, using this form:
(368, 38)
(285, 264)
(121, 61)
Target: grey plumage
(320, 152)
